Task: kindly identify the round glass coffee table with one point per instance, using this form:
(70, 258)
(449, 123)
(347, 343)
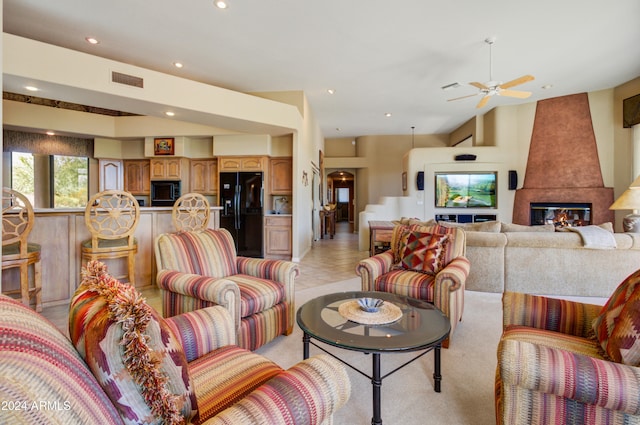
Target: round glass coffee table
(420, 327)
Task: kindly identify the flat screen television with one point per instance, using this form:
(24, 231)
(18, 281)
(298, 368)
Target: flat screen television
(466, 189)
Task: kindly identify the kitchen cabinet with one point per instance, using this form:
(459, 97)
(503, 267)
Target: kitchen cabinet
(281, 176)
(166, 168)
(241, 163)
(204, 176)
(110, 174)
(277, 232)
(137, 176)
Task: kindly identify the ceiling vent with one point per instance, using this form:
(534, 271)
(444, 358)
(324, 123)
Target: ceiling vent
(129, 80)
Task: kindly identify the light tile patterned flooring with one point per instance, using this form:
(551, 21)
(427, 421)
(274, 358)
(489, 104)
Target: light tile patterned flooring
(328, 261)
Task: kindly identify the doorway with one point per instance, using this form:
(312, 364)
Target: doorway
(340, 185)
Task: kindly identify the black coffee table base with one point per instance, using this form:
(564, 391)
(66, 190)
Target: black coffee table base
(376, 378)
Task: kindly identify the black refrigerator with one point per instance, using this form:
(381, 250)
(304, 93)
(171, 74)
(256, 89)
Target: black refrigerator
(241, 198)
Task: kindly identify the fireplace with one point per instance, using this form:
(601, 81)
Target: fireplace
(563, 166)
(560, 214)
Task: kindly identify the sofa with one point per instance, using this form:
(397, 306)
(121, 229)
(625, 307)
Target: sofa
(544, 260)
(124, 364)
(198, 269)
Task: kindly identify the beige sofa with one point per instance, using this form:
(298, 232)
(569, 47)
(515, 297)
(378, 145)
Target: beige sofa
(539, 260)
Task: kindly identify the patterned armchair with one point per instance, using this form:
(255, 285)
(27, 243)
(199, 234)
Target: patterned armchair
(182, 370)
(562, 361)
(198, 269)
(426, 262)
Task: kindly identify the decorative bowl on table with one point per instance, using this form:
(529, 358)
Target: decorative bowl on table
(370, 305)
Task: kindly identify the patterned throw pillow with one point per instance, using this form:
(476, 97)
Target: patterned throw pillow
(133, 354)
(604, 325)
(624, 343)
(424, 252)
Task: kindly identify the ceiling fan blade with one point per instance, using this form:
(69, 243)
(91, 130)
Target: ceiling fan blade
(517, 81)
(515, 93)
(462, 97)
(479, 85)
(483, 101)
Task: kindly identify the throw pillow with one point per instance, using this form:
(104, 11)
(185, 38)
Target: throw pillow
(424, 252)
(604, 324)
(511, 227)
(485, 226)
(134, 355)
(623, 346)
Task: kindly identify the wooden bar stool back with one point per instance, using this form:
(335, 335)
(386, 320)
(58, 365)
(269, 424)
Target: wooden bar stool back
(191, 212)
(17, 222)
(112, 217)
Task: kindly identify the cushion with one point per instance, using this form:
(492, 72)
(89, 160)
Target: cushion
(604, 325)
(511, 227)
(134, 355)
(423, 252)
(485, 226)
(623, 345)
(257, 294)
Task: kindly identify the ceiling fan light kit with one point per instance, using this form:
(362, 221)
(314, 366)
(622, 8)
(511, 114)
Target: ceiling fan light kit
(497, 88)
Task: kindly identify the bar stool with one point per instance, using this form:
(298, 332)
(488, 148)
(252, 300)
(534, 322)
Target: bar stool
(111, 217)
(17, 252)
(191, 212)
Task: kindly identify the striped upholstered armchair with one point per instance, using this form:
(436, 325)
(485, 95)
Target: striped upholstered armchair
(198, 269)
(552, 367)
(426, 262)
(125, 364)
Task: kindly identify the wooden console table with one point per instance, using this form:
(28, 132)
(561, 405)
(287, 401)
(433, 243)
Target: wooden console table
(331, 227)
(380, 233)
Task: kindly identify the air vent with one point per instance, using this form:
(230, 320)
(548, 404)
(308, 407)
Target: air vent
(129, 80)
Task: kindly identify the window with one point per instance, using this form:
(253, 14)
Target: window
(68, 176)
(343, 195)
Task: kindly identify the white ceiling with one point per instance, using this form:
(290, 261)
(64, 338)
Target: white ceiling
(379, 56)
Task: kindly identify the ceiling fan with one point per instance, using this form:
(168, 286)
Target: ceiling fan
(497, 88)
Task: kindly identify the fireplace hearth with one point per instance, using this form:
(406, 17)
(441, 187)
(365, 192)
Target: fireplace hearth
(560, 214)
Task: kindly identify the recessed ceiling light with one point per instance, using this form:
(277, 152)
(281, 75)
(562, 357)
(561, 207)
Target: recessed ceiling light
(220, 4)
(170, 113)
(50, 133)
(547, 86)
(178, 64)
(31, 88)
(92, 40)
(388, 114)
(331, 91)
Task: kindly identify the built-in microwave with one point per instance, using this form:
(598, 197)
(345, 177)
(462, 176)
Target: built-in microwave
(164, 193)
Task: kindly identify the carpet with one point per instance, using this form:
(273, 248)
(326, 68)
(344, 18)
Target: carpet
(408, 398)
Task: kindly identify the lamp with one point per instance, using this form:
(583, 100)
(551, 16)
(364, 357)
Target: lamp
(630, 200)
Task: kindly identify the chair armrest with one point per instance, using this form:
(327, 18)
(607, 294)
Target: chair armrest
(203, 331)
(308, 393)
(540, 368)
(453, 276)
(218, 291)
(553, 314)
(371, 268)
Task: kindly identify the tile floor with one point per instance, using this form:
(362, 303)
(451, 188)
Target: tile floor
(328, 261)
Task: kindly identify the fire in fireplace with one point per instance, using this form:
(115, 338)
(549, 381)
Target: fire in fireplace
(560, 214)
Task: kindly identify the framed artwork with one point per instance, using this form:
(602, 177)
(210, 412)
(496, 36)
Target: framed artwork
(404, 181)
(631, 111)
(163, 146)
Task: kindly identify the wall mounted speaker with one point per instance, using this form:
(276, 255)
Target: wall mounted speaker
(420, 180)
(465, 157)
(513, 179)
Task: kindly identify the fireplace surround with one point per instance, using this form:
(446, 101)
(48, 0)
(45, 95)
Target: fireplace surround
(560, 214)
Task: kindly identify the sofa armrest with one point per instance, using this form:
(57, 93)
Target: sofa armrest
(308, 393)
(539, 368)
(203, 331)
(217, 291)
(553, 314)
(371, 268)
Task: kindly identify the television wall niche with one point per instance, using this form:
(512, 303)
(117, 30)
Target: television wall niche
(466, 189)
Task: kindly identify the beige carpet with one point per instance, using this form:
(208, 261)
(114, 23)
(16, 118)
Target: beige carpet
(408, 398)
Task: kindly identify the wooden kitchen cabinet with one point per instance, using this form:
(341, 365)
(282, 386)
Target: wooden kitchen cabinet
(241, 163)
(110, 174)
(277, 237)
(281, 176)
(204, 176)
(166, 168)
(137, 176)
